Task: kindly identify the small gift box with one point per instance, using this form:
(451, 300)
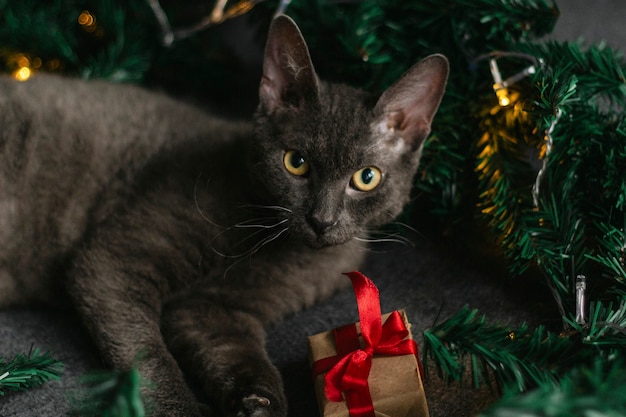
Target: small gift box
(369, 368)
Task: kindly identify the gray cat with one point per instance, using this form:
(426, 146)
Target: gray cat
(177, 236)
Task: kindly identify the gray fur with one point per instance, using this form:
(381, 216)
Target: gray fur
(177, 236)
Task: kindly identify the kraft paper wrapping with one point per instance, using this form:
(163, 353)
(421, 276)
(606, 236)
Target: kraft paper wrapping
(395, 383)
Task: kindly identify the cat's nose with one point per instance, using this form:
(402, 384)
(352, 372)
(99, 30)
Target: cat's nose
(320, 226)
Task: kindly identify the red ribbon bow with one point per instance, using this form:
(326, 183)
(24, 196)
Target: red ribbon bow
(349, 369)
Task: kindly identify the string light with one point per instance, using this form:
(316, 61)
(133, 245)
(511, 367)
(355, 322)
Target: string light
(22, 74)
(282, 6)
(238, 9)
(87, 20)
(501, 90)
(501, 86)
(544, 167)
(24, 69)
(581, 287)
(218, 15)
(53, 65)
(503, 96)
(23, 66)
(89, 23)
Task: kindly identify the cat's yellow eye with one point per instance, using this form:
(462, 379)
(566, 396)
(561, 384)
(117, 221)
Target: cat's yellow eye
(366, 179)
(295, 163)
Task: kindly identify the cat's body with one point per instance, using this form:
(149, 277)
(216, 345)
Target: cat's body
(178, 235)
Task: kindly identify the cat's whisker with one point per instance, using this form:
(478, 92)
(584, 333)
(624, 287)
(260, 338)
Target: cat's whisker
(275, 207)
(369, 248)
(382, 240)
(373, 234)
(374, 237)
(245, 225)
(267, 240)
(261, 228)
(219, 253)
(238, 243)
(256, 248)
(365, 246)
(406, 226)
(197, 204)
(245, 239)
(414, 231)
(401, 226)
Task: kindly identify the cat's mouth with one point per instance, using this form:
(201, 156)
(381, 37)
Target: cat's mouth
(320, 240)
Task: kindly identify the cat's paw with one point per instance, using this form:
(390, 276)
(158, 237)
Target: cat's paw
(259, 406)
(255, 406)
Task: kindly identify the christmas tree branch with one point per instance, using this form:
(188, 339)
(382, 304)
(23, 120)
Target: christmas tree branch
(110, 394)
(96, 40)
(596, 390)
(598, 69)
(26, 371)
(519, 358)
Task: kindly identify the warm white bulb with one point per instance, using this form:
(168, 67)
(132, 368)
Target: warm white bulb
(503, 97)
(22, 74)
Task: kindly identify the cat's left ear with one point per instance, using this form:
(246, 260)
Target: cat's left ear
(288, 74)
(409, 106)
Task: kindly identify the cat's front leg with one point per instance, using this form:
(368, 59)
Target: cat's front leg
(222, 347)
(121, 309)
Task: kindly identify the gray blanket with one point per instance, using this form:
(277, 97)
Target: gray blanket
(427, 283)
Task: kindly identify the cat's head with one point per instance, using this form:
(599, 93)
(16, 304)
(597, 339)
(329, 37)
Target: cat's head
(340, 160)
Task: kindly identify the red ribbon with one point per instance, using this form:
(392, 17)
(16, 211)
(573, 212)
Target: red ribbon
(349, 369)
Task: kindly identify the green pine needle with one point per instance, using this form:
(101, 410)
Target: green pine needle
(606, 327)
(519, 358)
(110, 394)
(585, 391)
(115, 47)
(30, 370)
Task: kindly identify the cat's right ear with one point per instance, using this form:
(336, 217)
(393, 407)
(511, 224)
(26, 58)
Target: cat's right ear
(288, 74)
(409, 106)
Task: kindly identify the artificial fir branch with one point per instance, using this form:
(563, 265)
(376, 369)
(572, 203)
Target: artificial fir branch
(557, 235)
(46, 32)
(504, 172)
(578, 222)
(124, 52)
(596, 390)
(519, 358)
(110, 394)
(30, 370)
(606, 327)
(598, 68)
(366, 42)
(112, 45)
(612, 250)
